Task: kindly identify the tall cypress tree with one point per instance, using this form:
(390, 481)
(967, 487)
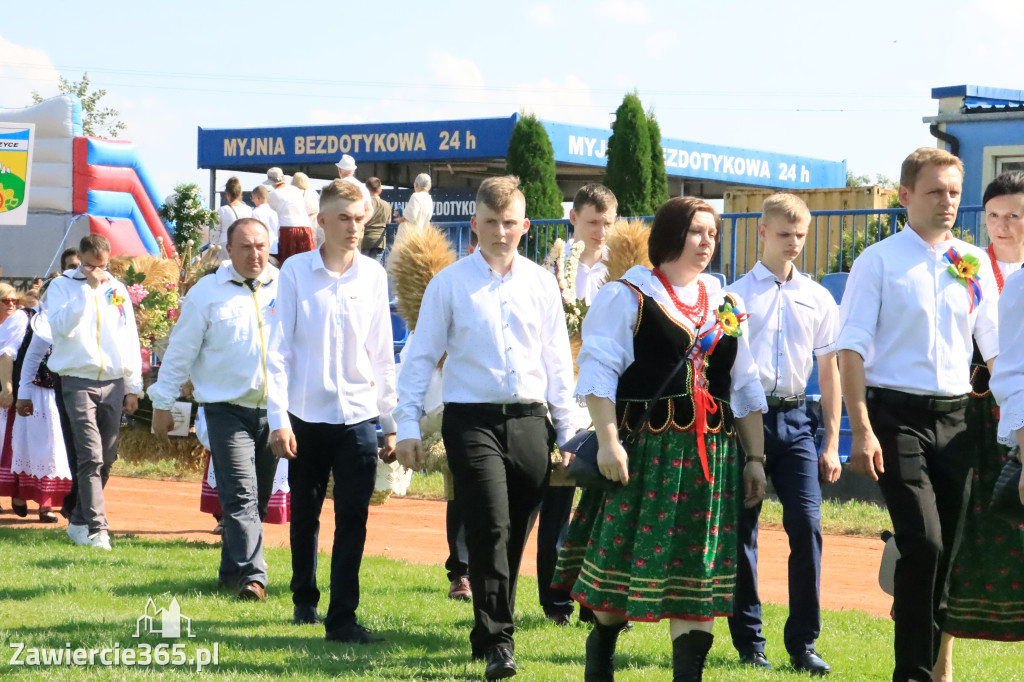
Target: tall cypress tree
(629, 158)
(659, 180)
(532, 158)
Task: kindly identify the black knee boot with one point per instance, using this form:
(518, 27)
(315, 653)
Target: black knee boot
(601, 652)
(689, 652)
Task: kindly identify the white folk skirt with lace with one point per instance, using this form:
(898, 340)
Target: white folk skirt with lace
(38, 469)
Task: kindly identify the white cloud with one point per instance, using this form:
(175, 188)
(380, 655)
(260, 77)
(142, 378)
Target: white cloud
(661, 43)
(541, 15)
(568, 102)
(624, 12)
(23, 70)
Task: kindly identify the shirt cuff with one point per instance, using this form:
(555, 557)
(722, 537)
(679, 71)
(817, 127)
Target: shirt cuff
(988, 344)
(388, 424)
(408, 429)
(278, 420)
(160, 401)
(855, 340)
(564, 434)
(597, 379)
(1011, 418)
(747, 399)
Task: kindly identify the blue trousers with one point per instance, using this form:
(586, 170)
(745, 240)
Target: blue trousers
(552, 526)
(793, 467)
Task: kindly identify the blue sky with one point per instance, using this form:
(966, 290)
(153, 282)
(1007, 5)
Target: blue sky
(821, 79)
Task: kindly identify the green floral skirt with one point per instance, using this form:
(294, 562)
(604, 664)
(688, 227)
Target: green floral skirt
(986, 584)
(664, 546)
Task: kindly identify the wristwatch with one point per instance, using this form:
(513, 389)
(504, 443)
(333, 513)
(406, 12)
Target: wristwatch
(756, 458)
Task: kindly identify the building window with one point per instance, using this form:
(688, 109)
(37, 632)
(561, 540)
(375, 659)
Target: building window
(1009, 163)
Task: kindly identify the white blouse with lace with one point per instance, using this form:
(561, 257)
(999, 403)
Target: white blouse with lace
(608, 339)
(1007, 382)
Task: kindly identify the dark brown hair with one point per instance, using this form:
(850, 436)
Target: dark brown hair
(597, 195)
(672, 222)
(233, 189)
(94, 243)
(372, 184)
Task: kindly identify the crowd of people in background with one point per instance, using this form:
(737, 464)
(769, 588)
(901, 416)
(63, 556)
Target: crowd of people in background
(696, 394)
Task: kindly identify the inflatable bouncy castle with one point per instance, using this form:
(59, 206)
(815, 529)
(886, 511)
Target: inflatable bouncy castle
(80, 185)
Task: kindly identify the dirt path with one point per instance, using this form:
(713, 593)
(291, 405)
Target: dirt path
(414, 530)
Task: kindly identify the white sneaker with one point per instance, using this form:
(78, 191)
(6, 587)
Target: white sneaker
(99, 539)
(80, 534)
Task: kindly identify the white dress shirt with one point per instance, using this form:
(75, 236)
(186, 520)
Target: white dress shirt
(228, 214)
(505, 337)
(290, 205)
(268, 217)
(589, 278)
(911, 320)
(1007, 382)
(608, 338)
(790, 324)
(92, 337)
(332, 355)
(220, 341)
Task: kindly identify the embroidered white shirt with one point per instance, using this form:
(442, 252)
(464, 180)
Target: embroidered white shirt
(332, 357)
(220, 341)
(790, 323)
(505, 337)
(912, 321)
(608, 338)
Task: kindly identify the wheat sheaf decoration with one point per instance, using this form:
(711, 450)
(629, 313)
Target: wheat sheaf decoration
(627, 247)
(414, 260)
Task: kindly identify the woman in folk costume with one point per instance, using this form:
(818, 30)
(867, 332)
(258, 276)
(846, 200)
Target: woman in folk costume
(278, 508)
(986, 599)
(33, 458)
(664, 544)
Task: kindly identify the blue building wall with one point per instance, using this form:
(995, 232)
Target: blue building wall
(974, 137)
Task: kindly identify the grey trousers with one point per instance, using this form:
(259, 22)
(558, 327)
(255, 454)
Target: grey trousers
(244, 466)
(94, 409)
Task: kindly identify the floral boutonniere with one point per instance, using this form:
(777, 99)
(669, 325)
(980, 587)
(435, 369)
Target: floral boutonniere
(116, 299)
(964, 269)
(727, 323)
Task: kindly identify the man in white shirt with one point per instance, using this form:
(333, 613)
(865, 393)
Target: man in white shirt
(593, 212)
(911, 305)
(266, 215)
(220, 342)
(332, 377)
(793, 323)
(96, 352)
(295, 234)
(499, 318)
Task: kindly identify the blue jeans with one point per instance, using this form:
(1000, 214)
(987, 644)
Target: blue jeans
(793, 467)
(244, 466)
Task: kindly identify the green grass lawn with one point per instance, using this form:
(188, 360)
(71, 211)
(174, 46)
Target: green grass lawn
(53, 593)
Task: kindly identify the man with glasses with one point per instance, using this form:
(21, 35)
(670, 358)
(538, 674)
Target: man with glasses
(96, 353)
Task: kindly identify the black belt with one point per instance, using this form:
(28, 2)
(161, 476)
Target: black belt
(505, 409)
(931, 403)
(788, 403)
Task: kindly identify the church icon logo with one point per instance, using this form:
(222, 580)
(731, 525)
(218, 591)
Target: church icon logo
(167, 623)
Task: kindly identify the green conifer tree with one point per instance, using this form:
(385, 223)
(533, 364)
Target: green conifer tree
(659, 180)
(532, 159)
(629, 158)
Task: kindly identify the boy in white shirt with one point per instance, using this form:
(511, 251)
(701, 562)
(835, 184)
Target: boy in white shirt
(266, 215)
(793, 323)
(96, 352)
(331, 378)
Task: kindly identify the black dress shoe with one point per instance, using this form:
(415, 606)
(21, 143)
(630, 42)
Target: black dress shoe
(305, 615)
(810, 662)
(499, 663)
(353, 634)
(20, 509)
(756, 659)
(559, 618)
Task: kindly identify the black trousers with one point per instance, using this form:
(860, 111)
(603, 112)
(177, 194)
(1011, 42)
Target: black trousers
(457, 564)
(926, 488)
(552, 526)
(500, 468)
(350, 452)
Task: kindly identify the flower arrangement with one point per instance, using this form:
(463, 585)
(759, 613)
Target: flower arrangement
(964, 269)
(153, 292)
(564, 265)
(192, 220)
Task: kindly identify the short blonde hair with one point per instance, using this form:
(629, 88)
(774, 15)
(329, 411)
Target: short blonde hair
(926, 156)
(789, 207)
(339, 190)
(499, 192)
(7, 291)
(300, 180)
